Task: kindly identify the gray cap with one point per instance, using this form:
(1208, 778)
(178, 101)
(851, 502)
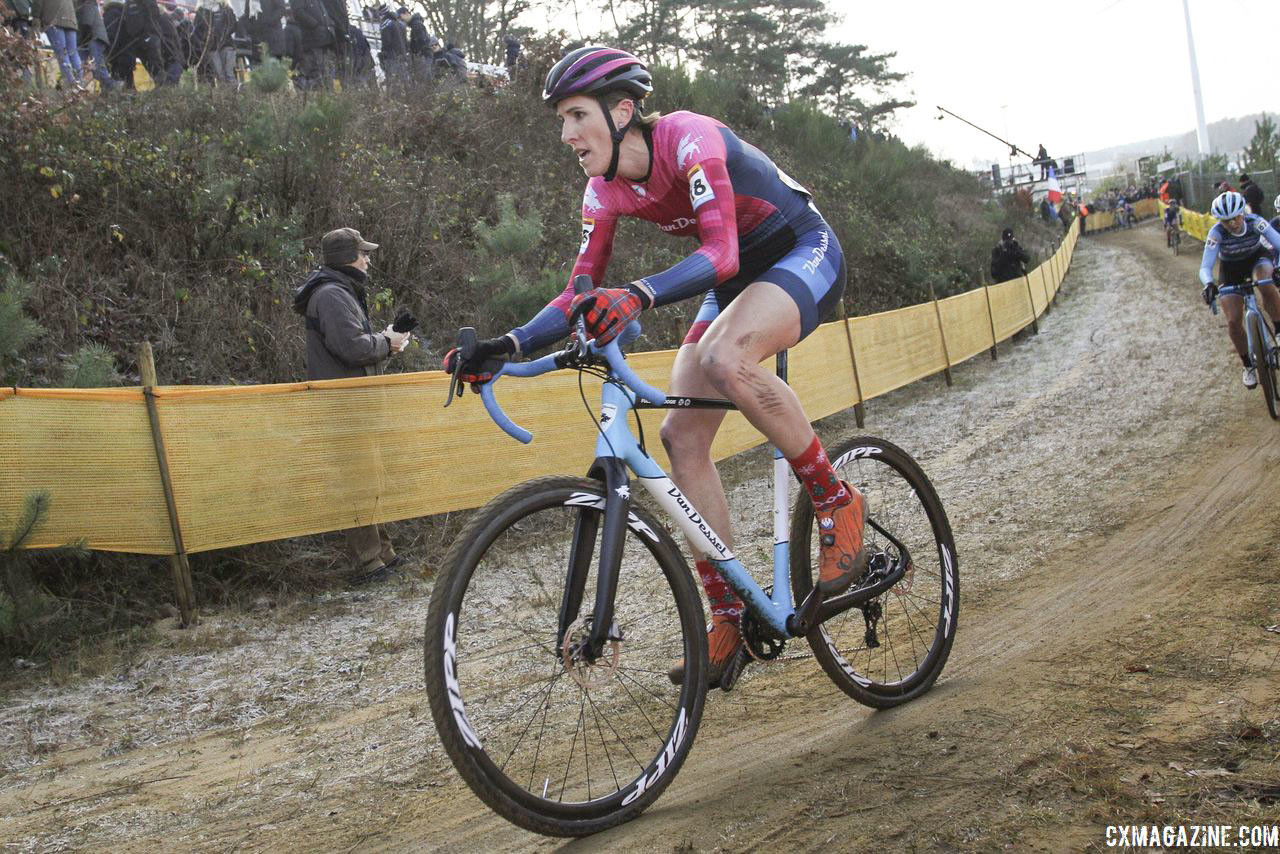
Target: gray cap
(341, 245)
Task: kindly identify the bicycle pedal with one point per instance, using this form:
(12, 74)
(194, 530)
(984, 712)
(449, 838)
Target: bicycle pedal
(733, 670)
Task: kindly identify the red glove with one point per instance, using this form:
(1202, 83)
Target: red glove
(490, 354)
(606, 312)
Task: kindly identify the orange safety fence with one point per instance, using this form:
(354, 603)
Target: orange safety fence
(256, 463)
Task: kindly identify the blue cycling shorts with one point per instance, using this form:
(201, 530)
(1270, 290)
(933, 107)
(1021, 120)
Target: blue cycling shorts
(812, 273)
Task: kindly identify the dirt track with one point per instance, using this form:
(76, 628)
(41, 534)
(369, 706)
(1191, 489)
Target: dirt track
(1110, 485)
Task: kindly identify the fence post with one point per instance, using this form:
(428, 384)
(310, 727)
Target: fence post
(1044, 284)
(991, 318)
(178, 562)
(1035, 327)
(942, 333)
(859, 411)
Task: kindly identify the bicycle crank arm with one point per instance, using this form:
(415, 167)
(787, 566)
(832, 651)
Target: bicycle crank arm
(815, 609)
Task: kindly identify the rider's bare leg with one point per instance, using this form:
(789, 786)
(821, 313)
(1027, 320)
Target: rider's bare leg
(1233, 308)
(687, 435)
(762, 321)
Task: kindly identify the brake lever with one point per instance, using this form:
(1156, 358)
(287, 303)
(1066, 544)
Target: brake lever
(467, 343)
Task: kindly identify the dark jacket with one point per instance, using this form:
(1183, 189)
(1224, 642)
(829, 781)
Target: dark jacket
(313, 22)
(1253, 195)
(341, 341)
(394, 44)
(361, 53)
(54, 13)
(214, 28)
(419, 41)
(91, 26)
(1007, 260)
(268, 27)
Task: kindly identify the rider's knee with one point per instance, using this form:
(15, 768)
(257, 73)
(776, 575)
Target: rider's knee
(721, 365)
(683, 440)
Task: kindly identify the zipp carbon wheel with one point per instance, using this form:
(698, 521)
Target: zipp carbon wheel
(1262, 362)
(893, 649)
(552, 742)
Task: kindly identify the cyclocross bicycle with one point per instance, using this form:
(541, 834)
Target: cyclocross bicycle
(1173, 237)
(563, 602)
(1262, 342)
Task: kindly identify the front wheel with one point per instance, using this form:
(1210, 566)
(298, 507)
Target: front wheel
(552, 741)
(892, 649)
(1262, 363)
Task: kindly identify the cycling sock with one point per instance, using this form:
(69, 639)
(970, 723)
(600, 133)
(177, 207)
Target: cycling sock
(819, 478)
(724, 602)
(1248, 363)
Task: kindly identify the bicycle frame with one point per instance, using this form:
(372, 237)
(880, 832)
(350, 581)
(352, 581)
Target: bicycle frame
(1245, 290)
(617, 452)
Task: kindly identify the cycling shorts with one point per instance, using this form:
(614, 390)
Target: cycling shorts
(1233, 272)
(812, 273)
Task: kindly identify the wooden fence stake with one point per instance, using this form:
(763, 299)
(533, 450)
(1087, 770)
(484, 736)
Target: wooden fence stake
(942, 333)
(1035, 327)
(183, 588)
(990, 315)
(1044, 281)
(859, 411)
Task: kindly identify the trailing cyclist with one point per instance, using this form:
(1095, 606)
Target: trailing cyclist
(768, 268)
(1243, 243)
(1172, 221)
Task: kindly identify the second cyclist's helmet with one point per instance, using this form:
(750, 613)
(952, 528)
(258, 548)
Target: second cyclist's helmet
(596, 70)
(1227, 205)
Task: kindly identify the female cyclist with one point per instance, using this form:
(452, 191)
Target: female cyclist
(1243, 242)
(769, 268)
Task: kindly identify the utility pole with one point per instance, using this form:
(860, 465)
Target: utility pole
(1202, 132)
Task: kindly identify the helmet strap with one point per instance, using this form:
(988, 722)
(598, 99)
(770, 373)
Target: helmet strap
(616, 134)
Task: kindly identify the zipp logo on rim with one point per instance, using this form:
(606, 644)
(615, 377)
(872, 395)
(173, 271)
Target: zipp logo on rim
(451, 684)
(664, 761)
(857, 454)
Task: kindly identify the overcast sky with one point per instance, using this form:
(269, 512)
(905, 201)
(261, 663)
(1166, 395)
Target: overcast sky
(1075, 76)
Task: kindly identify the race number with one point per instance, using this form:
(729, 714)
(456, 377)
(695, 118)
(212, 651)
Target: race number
(699, 187)
(588, 226)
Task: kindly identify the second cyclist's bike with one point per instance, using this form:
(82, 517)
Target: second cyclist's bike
(1262, 343)
(564, 602)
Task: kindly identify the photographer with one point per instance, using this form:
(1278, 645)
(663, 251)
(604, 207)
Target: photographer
(341, 343)
(1008, 259)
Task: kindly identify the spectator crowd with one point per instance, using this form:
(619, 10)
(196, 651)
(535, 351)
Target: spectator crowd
(315, 39)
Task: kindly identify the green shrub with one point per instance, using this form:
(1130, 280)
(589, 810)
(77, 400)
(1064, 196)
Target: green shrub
(17, 328)
(92, 366)
(270, 75)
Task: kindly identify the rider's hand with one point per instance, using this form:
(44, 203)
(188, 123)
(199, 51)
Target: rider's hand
(606, 312)
(1207, 293)
(489, 356)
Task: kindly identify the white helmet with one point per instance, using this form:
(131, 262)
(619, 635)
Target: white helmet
(1227, 205)
(1275, 206)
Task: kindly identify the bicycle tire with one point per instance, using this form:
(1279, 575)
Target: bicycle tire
(902, 501)
(491, 650)
(1177, 242)
(1262, 363)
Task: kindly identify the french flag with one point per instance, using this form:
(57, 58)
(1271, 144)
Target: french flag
(1055, 191)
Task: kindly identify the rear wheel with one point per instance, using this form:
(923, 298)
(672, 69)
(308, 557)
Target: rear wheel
(1262, 361)
(893, 649)
(552, 742)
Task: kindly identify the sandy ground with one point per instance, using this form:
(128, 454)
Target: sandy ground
(1109, 484)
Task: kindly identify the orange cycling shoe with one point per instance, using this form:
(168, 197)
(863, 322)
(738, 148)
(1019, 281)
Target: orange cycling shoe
(843, 554)
(726, 656)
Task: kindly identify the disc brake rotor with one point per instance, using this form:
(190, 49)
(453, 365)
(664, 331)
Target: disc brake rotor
(589, 674)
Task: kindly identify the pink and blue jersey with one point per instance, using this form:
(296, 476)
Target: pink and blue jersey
(751, 220)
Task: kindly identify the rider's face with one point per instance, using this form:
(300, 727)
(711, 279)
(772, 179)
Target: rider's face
(1234, 224)
(584, 130)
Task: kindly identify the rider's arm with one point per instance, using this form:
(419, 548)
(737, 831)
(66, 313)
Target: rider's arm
(716, 260)
(1209, 258)
(552, 323)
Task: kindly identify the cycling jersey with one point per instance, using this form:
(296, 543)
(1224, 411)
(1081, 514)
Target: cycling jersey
(1172, 217)
(1238, 252)
(707, 183)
